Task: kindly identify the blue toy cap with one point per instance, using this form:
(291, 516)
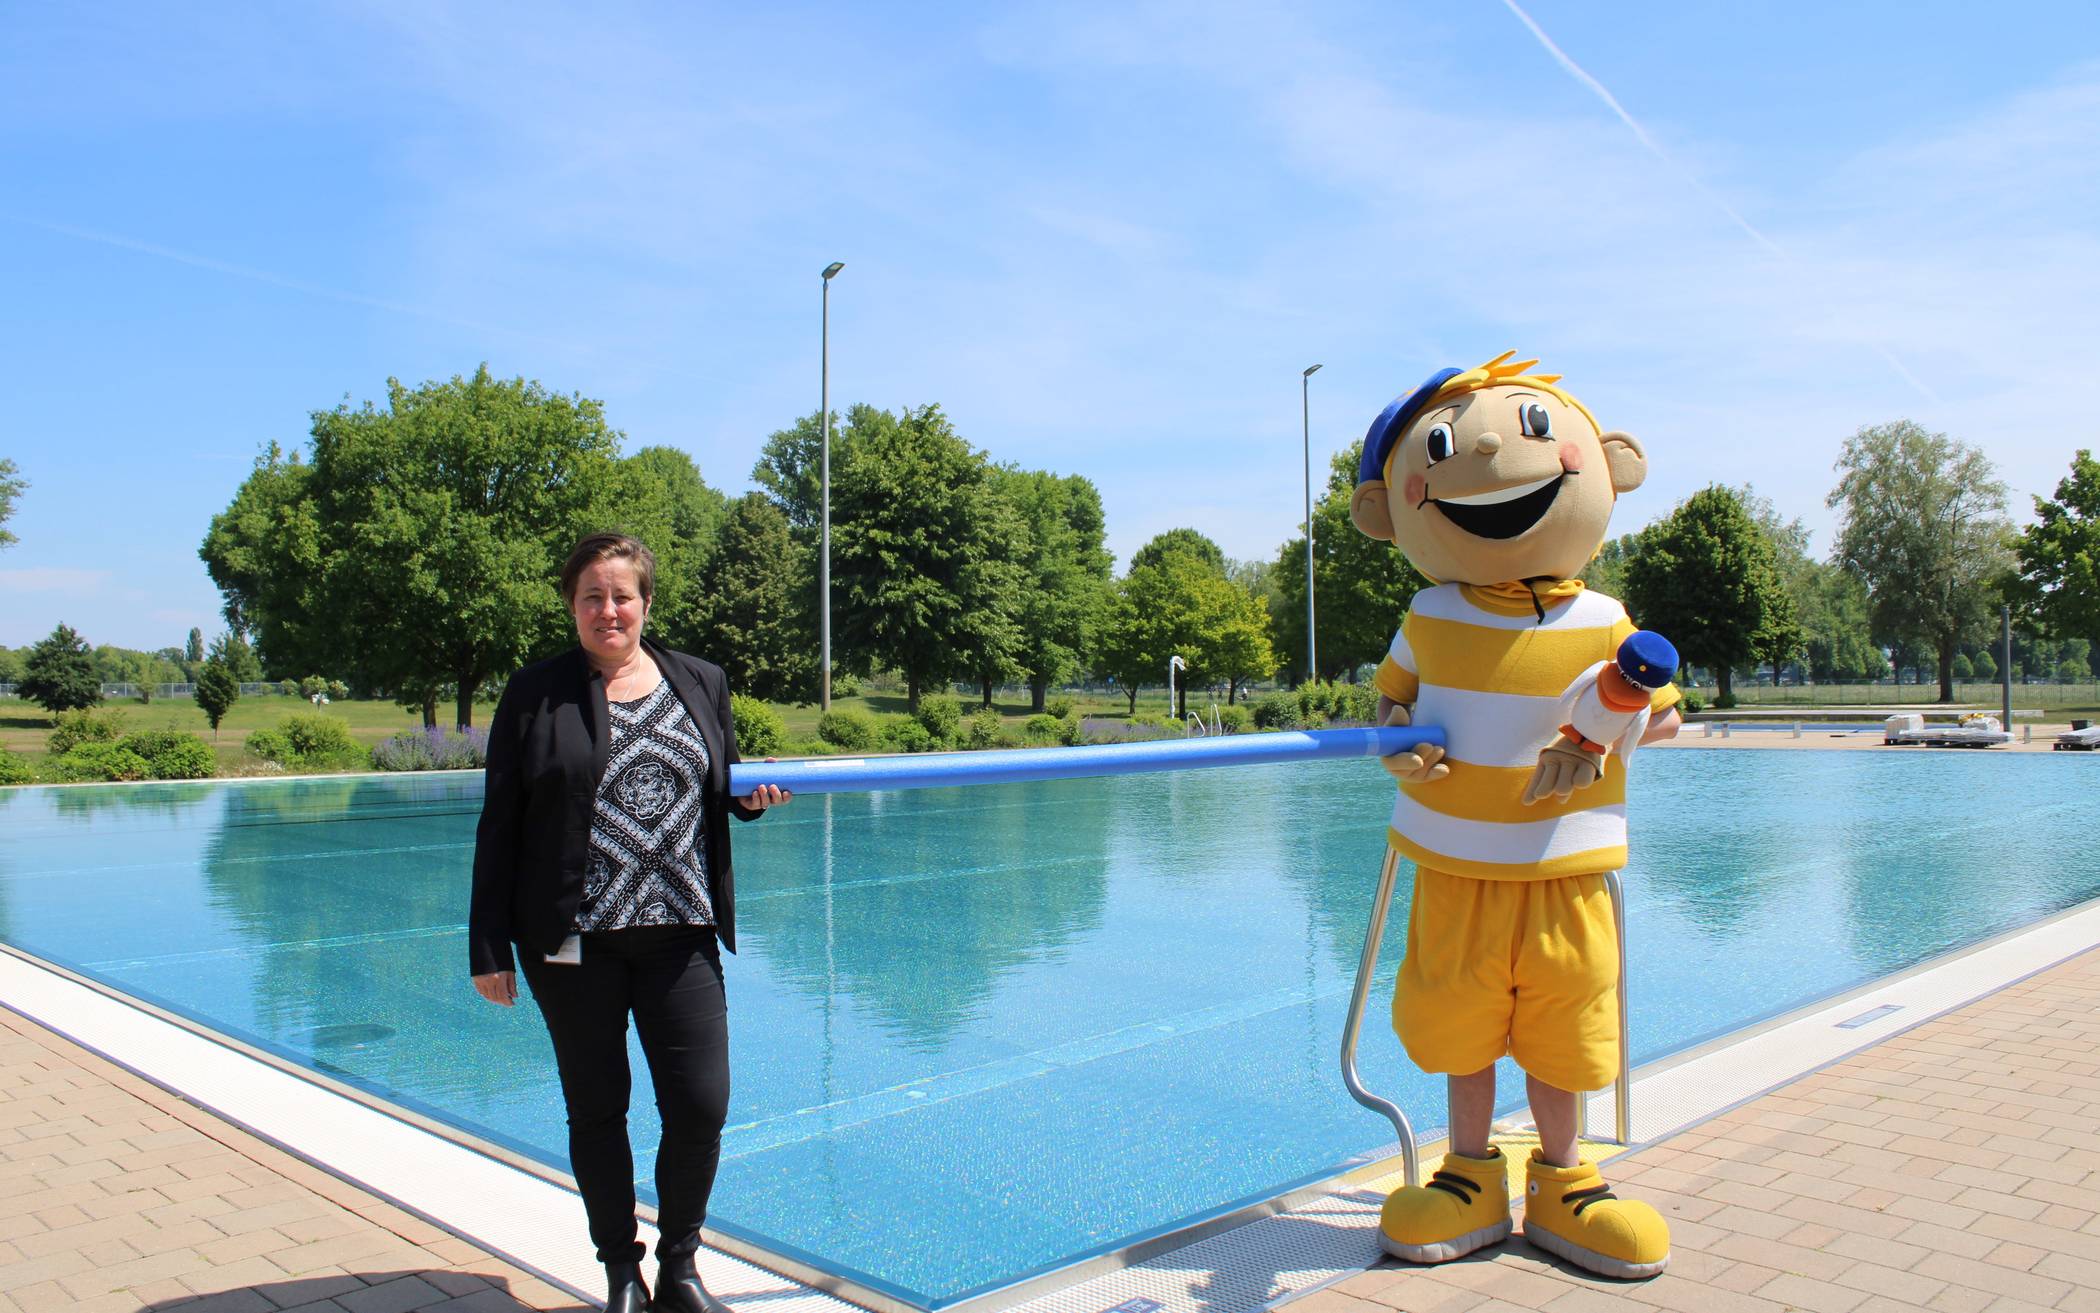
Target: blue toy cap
(1647, 659)
(1392, 422)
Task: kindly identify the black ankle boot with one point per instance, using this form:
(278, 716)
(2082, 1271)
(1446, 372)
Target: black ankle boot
(625, 1290)
(678, 1288)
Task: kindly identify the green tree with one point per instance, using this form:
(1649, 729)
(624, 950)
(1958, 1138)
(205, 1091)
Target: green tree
(230, 650)
(193, 648)
(1179, 540)
(1922, 523)
(12, 485)
(265, 554)
(1985, 664)
(217, 689)
(1361, 586)
(1176, 604)
(1837, 636)
(790, 464)
(10, 666)
(1065, 567)
(58, 673)
(1707, 579)
(1606, 572)
(417, 550)
(2058, 585)
(660, 498)
(920, 584)
(753, 608)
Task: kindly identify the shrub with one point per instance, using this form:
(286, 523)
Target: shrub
(903, 734)
(1040, 731)
(1235, 719)
(1693, 704)
(759, 730)
(1278, 710)
(848, 727)
(1356, 703)
(312, 686)
(288, 687)
(173, 755)
(987, 729)
(102, 761)
(312, 742)
(844, 686)
(941, 714)
(1060, 706)
(433, 749)
(1071, 731)
(807, 747)
(83, 726)
(337, 690)
(15, 769)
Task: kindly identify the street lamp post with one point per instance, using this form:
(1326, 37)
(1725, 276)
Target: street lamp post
(824, 411)
(1312, 667)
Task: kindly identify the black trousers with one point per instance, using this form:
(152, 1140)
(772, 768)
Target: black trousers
(670, 978)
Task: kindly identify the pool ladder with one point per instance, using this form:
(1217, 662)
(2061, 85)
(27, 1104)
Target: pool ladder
(1381, 903)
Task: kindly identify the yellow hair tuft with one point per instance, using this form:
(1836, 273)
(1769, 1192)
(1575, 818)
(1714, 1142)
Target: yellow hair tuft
(1502, 371)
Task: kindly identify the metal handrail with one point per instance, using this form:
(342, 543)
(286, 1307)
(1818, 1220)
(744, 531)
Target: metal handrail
(1352, 1026)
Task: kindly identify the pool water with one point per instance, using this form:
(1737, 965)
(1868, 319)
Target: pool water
(981, 1032)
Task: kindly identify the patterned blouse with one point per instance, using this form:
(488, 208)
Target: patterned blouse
(648, 865)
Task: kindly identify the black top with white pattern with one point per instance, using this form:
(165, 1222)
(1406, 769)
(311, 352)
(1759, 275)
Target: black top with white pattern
(648, 864)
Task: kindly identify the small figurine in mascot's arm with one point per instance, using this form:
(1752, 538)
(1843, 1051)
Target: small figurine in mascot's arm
(1497, 485)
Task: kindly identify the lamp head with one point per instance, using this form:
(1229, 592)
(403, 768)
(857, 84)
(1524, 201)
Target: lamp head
(1310, 371)
(832, 269)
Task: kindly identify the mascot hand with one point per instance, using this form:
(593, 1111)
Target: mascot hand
(1562, 769)
(1417, 765)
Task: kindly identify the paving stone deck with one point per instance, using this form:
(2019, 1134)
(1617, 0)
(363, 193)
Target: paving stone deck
(1954, 1167)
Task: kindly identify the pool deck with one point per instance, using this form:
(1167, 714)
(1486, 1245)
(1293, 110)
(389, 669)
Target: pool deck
(1954, 1167)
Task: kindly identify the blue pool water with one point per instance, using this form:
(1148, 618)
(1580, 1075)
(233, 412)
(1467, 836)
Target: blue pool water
(980, 1032)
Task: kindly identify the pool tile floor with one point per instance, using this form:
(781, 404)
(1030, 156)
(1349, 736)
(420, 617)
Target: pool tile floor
(1954, 1167)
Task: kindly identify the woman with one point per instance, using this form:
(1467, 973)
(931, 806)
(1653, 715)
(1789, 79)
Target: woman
(603, 854)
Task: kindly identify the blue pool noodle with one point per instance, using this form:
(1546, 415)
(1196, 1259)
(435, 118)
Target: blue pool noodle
(934, 770)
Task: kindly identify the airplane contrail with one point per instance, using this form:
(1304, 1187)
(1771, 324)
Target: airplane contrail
(1582, 75)
(278, 280)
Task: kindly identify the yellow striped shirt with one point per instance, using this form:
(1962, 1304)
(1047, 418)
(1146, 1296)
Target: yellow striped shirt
(1491, 673)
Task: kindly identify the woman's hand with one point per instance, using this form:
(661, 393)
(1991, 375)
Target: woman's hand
(766, 795)
(498, 987)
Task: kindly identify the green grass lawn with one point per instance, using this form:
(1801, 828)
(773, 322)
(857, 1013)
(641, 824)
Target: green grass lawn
(25, 728)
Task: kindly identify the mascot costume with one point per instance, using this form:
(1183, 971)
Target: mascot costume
(1497, 486)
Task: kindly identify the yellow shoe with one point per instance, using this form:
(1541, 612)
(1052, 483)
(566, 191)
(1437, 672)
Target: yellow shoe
(1572, 1213)
(1464, 1207)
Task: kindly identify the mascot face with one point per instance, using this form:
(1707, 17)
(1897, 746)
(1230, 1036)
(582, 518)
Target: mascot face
(1499, 483)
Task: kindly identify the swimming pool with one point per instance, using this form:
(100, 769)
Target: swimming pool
(981, 1032)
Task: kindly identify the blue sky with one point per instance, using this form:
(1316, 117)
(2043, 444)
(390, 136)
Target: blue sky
(1105, 238)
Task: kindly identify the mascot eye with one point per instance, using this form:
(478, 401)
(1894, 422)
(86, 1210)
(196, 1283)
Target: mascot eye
(1440, 443)
(1535, 422)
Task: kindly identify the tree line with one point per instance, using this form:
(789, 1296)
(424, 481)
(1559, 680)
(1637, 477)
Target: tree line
(409, 548)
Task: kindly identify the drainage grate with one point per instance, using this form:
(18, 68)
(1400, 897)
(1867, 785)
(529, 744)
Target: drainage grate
(1135, 1304)
(1871, 1014)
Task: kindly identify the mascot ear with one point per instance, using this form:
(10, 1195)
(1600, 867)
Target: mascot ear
(1624, 457)
(1370, 513)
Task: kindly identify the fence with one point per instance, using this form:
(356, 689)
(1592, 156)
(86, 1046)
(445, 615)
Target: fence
(1886, 692)
(125, 692)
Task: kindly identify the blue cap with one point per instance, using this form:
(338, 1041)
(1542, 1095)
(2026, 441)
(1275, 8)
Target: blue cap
(1393, 421)
(1648, 659)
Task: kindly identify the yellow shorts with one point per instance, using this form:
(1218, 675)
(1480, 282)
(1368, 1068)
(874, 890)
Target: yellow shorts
(1524, 967)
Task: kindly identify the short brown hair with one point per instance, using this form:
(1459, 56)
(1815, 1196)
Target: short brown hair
(609, 547)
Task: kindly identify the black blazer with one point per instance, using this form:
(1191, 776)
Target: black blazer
(548, 746)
